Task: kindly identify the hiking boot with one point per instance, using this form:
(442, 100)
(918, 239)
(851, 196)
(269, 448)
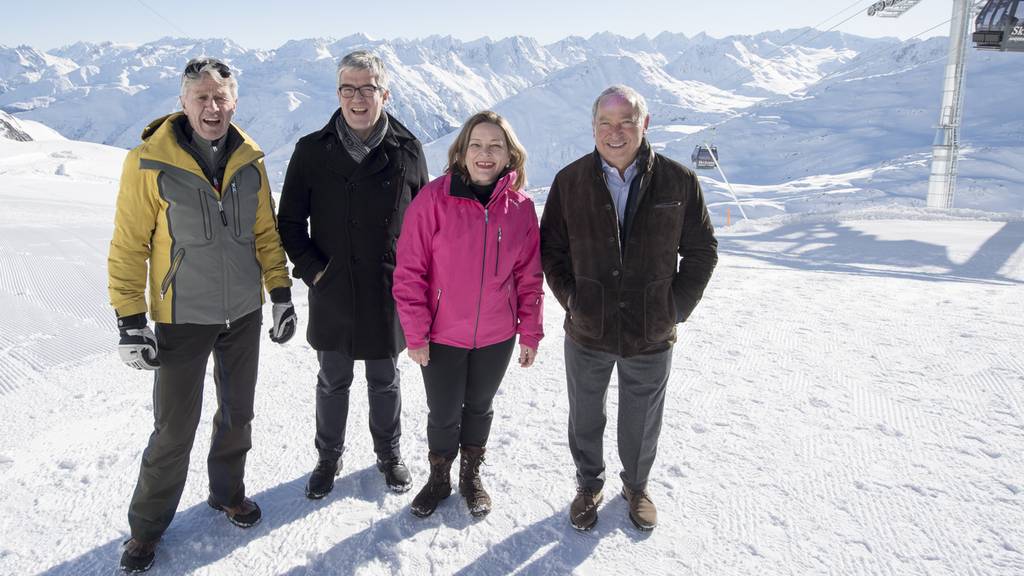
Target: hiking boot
(321, 481)
(470, 486)
(642, 511)
(437, 488)
(583, 510)
(138, 556)
(246, 515)
(396, 474)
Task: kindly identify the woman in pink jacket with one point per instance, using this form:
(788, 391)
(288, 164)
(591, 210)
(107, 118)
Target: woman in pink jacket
(468, 280)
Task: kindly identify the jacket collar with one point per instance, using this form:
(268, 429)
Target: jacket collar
(458, 188)
(160, 144)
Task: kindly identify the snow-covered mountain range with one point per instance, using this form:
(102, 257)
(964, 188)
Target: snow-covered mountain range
(780, 105)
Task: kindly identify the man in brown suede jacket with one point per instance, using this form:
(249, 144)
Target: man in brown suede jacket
(615, 224)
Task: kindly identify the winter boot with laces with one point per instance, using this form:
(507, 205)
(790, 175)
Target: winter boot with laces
(245, 515)
(138, 556)
(472, 489)
(396, 474)
(321, 481)
(437, 488)
(583, 510)
(642, 511)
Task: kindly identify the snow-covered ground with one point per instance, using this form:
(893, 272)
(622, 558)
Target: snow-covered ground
(847, 399)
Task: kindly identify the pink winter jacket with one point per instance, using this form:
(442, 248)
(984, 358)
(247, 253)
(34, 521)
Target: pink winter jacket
(469, 275)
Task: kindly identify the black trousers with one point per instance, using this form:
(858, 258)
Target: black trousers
(461, 384)
(184, 350)
(385, 398)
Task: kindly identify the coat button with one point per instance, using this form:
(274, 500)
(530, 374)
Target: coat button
(622, 304)
(611, 240)
(615, 272)
(355, 259)
(607, 206)
(387, 183)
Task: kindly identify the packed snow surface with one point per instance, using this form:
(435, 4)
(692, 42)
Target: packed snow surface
(847, 399)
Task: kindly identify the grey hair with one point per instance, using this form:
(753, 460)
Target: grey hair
(630, 95)
(364, 60)
(210, 71)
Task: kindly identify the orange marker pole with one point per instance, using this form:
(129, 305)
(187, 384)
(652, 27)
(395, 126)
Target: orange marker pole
(728, 215)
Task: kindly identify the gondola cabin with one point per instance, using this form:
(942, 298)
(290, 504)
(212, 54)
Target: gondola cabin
(702, 159)
(1000, 26)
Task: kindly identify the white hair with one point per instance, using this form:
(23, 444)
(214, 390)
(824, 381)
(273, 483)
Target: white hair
(212, 70)
(629, 95)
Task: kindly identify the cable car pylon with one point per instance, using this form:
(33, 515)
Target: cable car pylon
(713, 153)
(946, 147)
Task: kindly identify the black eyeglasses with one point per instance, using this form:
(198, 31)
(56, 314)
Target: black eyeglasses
(367, 90)
(196, 65)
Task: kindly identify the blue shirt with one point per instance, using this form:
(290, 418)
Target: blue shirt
(619, 186)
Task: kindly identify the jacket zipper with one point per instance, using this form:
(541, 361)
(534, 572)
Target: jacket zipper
(480, 296)
(223, 216)
(204, 207)
(510, 308)
(235, 201)
(497, 256)
(437, 306)
(223, 264)
(172, 272)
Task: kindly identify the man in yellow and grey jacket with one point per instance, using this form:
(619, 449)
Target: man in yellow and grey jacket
(194, 207)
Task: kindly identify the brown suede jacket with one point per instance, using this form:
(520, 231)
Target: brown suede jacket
(624, 293)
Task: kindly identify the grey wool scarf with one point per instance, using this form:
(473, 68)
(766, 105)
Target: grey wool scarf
(356, 147)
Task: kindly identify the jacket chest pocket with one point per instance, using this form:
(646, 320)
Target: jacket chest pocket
(192, 211)
(664, 223)
(240, 200)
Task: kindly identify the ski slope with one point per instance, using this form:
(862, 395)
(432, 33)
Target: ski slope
(847, 399)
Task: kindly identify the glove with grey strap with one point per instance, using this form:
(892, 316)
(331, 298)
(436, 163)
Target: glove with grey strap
(137, 346)
(285, 319)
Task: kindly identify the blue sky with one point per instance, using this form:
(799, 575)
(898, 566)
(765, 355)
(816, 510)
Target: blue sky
(261, 24)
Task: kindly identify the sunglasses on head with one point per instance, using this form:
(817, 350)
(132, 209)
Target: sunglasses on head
(196, 65)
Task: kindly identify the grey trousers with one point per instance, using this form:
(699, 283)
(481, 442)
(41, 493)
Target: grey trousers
(385, 399)
(642, 381)
(184, 350)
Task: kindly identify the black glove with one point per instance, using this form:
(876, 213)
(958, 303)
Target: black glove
(137, 346)
(284, 322)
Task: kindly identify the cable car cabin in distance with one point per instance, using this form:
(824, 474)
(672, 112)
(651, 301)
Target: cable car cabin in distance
(702, 159)
(1000, 26)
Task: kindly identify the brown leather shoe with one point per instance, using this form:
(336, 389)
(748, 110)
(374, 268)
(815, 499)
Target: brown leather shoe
(583, 510)
(246, 515)
(642, 511)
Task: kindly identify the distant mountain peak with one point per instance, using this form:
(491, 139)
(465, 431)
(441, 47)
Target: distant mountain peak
(11, 129)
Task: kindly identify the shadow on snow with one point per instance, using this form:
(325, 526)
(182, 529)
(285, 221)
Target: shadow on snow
(833, 247)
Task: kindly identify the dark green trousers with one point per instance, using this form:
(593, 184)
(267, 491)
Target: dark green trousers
(184, 350)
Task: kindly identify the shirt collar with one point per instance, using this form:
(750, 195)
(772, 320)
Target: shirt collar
(627, 175)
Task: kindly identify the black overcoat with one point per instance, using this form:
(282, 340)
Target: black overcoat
(344, 218)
